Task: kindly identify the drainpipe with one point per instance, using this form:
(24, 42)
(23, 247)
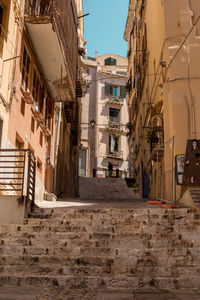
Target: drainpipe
(57, 138)
(97, 121)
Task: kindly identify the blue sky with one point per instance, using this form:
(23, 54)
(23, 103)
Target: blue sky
(104, 27)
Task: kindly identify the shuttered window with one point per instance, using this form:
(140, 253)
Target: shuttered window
(114, 114)
(117, 91)
(113, 143)
(122, 91)
(26, 61)
(107, 88)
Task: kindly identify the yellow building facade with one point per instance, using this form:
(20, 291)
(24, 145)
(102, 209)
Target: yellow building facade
(164, 85)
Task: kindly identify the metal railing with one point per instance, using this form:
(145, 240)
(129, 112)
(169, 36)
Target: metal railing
(115, 100)
(165, 176)
(38, 8)
(17, 173)
(115, 126)
(115, 154)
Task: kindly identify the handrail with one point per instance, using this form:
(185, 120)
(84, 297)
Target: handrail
(17, 173)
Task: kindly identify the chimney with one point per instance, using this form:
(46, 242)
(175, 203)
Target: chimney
(96, 55)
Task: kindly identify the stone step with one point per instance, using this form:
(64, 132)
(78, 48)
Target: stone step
(17, 293)
(100, 271)
(98, 282)
(94, 251)
(105, 293)
(55, 270)
(153, 257)
(25, 238)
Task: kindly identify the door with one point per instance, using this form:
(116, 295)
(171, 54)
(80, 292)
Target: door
(82, 162)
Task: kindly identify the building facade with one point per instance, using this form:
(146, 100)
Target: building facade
(104, 117)
(41, 88)
(163, 51)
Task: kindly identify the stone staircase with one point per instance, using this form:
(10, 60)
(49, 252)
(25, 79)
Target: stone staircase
(195, 195)
(100, 254)
(105, 188)
(191, 197)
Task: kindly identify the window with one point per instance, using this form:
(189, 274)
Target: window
(48, 114)
(30, 148)
(110, 61)
(114, 90)
(19, 143)
(23, 105)
(26, 61)
(38, 92)
(36, 87)
(39, 164)
(114, 115)
(1, 16)
(32, 124)
(4, 19)
(41, 138)
(113, 143)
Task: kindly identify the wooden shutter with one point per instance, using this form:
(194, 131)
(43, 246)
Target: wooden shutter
(122, 91)
(107, 88)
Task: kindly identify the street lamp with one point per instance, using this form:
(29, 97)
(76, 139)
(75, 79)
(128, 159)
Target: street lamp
(92, 123)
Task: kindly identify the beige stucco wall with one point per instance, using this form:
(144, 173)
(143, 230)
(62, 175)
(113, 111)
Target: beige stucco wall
(95, 106)
(88, 112)
(177, 85)
(12, 210)
(6, 67)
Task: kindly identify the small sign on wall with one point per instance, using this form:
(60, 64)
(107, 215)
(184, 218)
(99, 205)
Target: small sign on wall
(191, 175)
(179, 168)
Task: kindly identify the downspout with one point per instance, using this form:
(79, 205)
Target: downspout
(57, 138)
(97, 122)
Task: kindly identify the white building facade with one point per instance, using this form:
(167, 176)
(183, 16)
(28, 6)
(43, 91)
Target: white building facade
(104, 117)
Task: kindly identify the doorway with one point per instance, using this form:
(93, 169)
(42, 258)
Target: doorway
(82, 162)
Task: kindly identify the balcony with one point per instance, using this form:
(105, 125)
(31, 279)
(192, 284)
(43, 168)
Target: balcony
(115, 154)
(157, 153)
(115, 100)
(114, 126)
(51, 26)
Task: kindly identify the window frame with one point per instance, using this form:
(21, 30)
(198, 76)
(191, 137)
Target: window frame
(26, 70)
(119, 114)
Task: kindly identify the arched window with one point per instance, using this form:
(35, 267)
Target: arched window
(110, 61)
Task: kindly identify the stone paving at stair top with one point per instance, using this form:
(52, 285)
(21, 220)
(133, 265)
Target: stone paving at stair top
(64, 201)
(60, 293)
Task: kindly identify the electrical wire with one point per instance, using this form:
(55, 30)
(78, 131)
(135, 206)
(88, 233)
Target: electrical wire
(179, 49)
(120, 77)
(120, 125)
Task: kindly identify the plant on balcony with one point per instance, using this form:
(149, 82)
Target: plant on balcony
(129, 126)
(27, 96)
(128, 87)
(37, 114)
(46, 131)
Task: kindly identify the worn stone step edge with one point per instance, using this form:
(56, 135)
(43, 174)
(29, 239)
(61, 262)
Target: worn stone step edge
(112, 270)
(96, 282)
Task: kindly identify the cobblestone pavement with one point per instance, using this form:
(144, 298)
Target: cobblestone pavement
(79, 203)
(9, 293)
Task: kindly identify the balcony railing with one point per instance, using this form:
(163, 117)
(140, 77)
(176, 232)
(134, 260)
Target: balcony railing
(17, 173)
(115, 100)
(115, 154)
(115, 126)
(38, 8)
